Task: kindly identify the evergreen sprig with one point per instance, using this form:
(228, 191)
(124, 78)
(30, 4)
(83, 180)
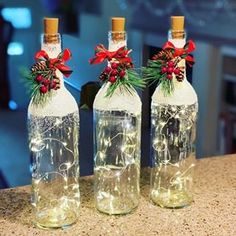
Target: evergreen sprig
(152, 73)
(33, 87)
(131, 81)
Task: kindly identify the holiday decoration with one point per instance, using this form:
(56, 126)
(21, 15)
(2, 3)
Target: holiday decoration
(119, 70)
(164, 66)
(42, 78)
(174, 110)
(117, 127)
(53, 131)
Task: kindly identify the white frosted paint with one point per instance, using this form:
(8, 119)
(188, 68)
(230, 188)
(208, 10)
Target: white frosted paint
(179, 43)
(62, 102)
(183, 94)
(120, 100)
(113, 46)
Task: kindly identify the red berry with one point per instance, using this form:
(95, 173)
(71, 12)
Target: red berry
(43, 89)
(170, 63)
(163, 69)
(170, 70)
(114, 72)
(176, 71)
(46, 82)
(53, 85)
(112, 79)
(39, 78)
(107, 69)
(122, 73)
(169, 77)
(114, 65)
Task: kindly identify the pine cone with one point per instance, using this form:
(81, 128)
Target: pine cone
(180, 77)
(39, 66)
(163, 55)
(56, 80)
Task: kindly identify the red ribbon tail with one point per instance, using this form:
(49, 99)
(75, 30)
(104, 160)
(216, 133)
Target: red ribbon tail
(190, 46)
(66, 55)
(65, 70)
(96, 60)
(190, 60)
(67, 73)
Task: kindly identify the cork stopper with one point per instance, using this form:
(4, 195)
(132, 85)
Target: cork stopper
(51, 30)
(50, 25)
(118, 28)
(177, 26)
(118, 24)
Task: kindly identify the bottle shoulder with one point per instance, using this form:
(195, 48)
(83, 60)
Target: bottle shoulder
(121, 99)
(61, 103)
(183, 94)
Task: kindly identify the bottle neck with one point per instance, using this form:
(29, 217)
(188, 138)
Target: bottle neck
(178, 38)
(51, 44)
(116, 40)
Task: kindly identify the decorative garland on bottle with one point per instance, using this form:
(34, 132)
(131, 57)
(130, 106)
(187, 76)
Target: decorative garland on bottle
(120, 70)
(164, 65)
(42, 78)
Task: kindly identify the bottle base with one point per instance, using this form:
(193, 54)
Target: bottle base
(49, 226)
(58, 216)
(171, 198)
(116, 207)
(55, 218)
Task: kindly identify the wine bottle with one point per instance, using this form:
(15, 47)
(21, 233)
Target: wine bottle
(173, 127)
(53, 127)
(117, 130)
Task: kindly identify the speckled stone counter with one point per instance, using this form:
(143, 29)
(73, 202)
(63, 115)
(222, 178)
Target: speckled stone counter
(212, 213)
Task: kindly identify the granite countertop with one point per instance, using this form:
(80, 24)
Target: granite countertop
(212, 213)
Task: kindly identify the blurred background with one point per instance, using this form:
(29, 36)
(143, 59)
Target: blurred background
(85, 23)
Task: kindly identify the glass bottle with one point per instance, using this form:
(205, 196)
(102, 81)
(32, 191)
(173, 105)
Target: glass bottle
(117, 130)
(53, 142)
(173, 131)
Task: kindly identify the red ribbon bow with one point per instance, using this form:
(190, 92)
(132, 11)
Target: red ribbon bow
(182, 52)
(102, 54)
(57, 62)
